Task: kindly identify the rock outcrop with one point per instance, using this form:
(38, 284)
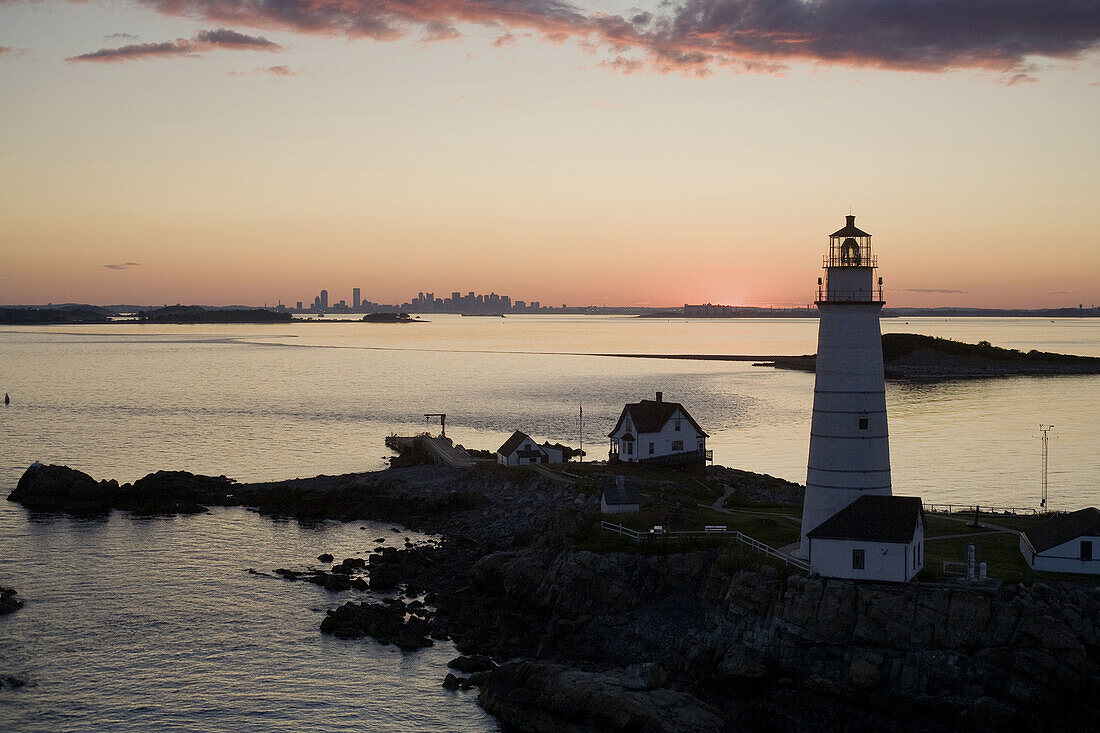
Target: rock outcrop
(9, 603)
(63, 489)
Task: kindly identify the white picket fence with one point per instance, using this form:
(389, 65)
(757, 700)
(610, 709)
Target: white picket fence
(709, 532)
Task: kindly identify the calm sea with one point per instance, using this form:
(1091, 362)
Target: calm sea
(138, 624)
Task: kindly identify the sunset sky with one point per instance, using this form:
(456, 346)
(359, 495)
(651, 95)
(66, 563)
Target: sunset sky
(251, 151)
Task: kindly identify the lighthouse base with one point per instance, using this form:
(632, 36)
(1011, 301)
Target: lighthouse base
(821, 504)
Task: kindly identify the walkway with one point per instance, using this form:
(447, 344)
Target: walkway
(444, 453)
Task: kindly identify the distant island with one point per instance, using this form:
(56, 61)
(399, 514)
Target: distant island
(390, 318)
(35, 316)
(710, 310)
(199, 314)
(917, 357)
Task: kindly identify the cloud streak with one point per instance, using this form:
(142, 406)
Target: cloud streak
(123, 266)
(203, 40)
(699, 36)
(281, 70)
(938, 291)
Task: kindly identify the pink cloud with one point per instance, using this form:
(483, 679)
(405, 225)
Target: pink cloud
(203, 40)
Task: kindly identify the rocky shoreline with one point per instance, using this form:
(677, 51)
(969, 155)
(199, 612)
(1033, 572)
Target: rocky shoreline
(563, 638)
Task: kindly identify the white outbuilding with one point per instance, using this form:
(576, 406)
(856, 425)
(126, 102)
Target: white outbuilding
(1065, 543)
(658, 433)
(521, 450)
(620, 497)
(874, 538)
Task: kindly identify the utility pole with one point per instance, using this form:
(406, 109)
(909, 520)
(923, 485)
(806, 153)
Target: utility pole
(581, 404)
(1045, 430)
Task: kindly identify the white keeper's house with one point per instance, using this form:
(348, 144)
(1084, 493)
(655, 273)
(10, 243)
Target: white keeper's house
(875, 537)
(1066, 543)
(659, 433)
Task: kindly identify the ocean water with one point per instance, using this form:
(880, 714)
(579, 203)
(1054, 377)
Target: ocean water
(279, 401)
(155, 624)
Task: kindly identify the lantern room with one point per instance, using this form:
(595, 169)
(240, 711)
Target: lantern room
(849, 268)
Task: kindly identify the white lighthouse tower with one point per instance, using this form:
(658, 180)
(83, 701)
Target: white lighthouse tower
(849, 442)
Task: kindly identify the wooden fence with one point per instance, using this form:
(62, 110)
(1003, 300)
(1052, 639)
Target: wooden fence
(709, 532)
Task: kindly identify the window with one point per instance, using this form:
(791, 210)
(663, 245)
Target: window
(863, 423)
(1086, 550)
(677, 445)
(676, 423)
(651, 449)
(630, 449)
(857, 559)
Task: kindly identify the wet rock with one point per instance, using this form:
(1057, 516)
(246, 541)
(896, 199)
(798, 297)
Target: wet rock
(8, 601)
(384, 622)
(383, 578)
(450, 682)
(12, 682)
(325, 557)
(472, 663)
(864, 675)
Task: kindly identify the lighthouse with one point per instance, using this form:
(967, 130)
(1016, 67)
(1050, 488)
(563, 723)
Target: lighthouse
(849, 441)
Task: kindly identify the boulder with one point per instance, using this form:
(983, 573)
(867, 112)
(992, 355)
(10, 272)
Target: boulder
(8, 601)
(384, 622)
(644, 676)
(471, 664)
(325, 557)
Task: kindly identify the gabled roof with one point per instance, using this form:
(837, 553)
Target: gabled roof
(649, 416)
(564, 449)
(514, 442)
(1063, 528)
(873, 518)
(850, 229)
(618, 491)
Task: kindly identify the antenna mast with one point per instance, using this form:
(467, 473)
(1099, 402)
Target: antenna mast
(1045, 430)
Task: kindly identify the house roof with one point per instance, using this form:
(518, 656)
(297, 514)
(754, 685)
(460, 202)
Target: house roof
(850, 229)
(514, 442)
(618, 491)
(564, 449)
(649, 416)
(1063, 528)
(873, 518)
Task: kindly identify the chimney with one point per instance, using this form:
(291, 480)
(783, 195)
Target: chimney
(660, 396)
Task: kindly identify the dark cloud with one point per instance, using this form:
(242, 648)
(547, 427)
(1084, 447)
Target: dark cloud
(203, 40)
(938, 291)
(123, 266)
(225, 38)
(697, 36)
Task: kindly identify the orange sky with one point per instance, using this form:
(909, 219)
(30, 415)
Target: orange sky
(242, 158)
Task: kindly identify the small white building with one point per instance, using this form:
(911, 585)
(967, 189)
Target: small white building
(521, 450)
(1065, 543)
(659, 433)
(619, 497)
(560, 453)
(874, 538)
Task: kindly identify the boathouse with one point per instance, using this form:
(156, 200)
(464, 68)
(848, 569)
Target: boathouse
(659, 433)
(875, 537)
(1065, 543)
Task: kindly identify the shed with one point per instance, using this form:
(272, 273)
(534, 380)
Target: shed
(620, 497)
(1065, 543)
(874, 538)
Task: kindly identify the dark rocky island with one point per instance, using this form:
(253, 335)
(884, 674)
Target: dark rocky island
(59, 314)
(572, 629)
(199, 314)
(389, 318)
(910, 356)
